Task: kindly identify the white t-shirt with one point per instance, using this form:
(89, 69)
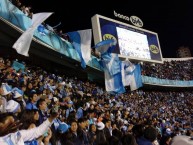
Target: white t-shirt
(19, 137)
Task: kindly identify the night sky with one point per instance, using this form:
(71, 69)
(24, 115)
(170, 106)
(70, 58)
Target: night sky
(172, 20)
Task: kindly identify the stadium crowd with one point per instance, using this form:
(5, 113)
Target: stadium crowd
(181, 70)
(38, 107)
(83, 113)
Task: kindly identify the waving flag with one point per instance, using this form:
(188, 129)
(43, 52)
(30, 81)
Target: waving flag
(111, 65)
(112, 70)
(127, 69)
(105, 46)
(81, 41)
(135, 78)
(22, 45)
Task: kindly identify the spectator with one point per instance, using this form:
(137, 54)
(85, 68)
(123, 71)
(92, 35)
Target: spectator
(92, 134)
(42, 109)
(32, 100)
(19, 137)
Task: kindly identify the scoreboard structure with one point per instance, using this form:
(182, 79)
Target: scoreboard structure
(132, 42)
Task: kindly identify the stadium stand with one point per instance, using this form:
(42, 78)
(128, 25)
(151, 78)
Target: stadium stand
(57, 104)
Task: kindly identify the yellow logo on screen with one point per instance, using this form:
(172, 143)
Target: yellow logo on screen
(108, 36)
(154, 49)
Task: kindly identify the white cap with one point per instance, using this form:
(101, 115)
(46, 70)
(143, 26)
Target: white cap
(168, 131)
(12, 106)
(17, 94)
(6, 89)
(100, 125)
(69, 85)
(125, 122)
(55, 99)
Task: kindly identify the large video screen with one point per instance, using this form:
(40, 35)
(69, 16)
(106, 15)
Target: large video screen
(132, 42)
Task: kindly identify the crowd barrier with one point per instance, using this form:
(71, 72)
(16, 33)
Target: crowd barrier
(165, 82)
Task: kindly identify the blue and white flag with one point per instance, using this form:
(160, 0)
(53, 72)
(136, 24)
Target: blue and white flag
(111, 65)
(112, 70)
(127, 69)
(81, 41)
(22, 45)
(135, 78)
(105, 46)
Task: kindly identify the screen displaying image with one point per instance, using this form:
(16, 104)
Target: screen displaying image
(133, 44)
